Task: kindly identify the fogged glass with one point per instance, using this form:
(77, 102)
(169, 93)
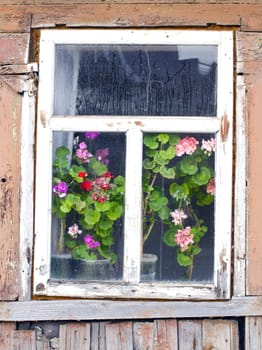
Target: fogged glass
(178, 207)
(138, 80)
(87, 205)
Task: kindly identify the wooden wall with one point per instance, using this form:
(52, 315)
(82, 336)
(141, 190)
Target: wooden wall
(20, 21)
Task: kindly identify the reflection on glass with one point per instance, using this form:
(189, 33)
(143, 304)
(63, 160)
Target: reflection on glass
(173, 80)
(178, 207)
(87, 205)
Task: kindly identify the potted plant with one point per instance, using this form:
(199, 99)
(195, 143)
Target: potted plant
(88, 200)
(186, 165)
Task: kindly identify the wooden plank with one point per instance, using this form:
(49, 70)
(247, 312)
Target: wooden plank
(190, 335)
(48, 310)
(23, 340)
(14, 48)
(9, 190)
(74, 336)
(15, 22)
(165, 335)
(98, 335)
(253, 333)
(143, 335)
(119, 336)
(220, 334)
(6, 329)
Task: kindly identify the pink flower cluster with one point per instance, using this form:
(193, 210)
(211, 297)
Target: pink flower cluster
(60, 189)
(209, 146)
(73, 230)
(187, 145)
(183, 238)
(178, 215)
(82, 153)
(211, 187)
(90, 242)
(99, 187)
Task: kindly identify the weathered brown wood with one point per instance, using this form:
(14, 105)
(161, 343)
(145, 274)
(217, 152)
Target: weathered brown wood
(129, 13)
(143, 335)
(6, 328)
(98, 335)
(23, 340)
(190, 335)
(253, 333)
(119, 336)
(13, 48)
(15, 23)
(220, 334)
(9, 191)
(165, 335)
(74, 336)
(250, 57)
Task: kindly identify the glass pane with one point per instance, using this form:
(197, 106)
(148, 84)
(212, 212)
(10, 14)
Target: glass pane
(178, 207)
(87, 205)
(175, 80)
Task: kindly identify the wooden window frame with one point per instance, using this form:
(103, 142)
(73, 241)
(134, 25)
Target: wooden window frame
(134, 128)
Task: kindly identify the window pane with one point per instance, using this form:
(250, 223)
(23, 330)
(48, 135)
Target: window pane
(178, 207)
(87, 205)
(136, 80)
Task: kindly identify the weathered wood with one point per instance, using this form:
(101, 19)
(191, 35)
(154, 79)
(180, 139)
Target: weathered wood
(220, 334)
(143, 335)
(17, 23)
(6, 330)
(23, 340)
(165, 335)
(190, 335)
(107, 310)
(119, 336)
(13, 48)
(98, 335)
(253, 333)
(9, 191)
(74, 336)
(250, 57)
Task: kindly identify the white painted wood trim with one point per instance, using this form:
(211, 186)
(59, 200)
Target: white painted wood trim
(47, 123)
(26, 196)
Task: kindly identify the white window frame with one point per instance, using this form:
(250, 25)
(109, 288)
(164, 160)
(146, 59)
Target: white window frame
(134, 128)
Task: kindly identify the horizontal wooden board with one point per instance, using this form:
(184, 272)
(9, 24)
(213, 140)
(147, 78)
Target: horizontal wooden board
(105, 309)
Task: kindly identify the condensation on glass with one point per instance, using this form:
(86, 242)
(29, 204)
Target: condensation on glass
(175, 80)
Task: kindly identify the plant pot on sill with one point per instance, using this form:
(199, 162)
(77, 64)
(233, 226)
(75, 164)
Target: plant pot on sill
(61, 266)
(148, 267)
(90, 269)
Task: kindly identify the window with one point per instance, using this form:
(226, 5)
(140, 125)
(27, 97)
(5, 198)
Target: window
(134, 164)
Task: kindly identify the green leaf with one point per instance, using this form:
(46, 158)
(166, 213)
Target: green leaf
(173, 139)
(188, 165)
(184, 260)
(163, 138)
(168, 173)
(62, 152)
(102, 206)
(195, 250)
(150, 141)
(169, 153)
(164, 213)
(92, 216)
(202, 177)
(179, 191)
(115, 211)
(159, 159)
(148, 164)
(98, 167)
(169, 237)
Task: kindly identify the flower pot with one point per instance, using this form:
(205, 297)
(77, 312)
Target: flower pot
(61, 265)
(90, 269)
(148, 267)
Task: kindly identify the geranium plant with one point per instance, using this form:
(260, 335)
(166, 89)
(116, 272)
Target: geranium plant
(187, 167)
(87, 199)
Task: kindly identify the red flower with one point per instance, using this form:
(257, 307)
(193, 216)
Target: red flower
(82, 174)
(86, 185)
(108, 174)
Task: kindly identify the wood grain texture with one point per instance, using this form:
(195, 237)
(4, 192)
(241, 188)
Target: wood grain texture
(190, 335)
(74, 336)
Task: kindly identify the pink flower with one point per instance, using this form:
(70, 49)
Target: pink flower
(60, 189)
(211, 187)
(209, 146)
(178, 215)
(90, 242)
(187, 145)
(74, 230)
(101, 155)
(82, 153)
(183, 238)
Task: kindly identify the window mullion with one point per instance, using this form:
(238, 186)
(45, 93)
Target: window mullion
(133, 210)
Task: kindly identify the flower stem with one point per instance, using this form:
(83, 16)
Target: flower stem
(190, 269)
(61, 241)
